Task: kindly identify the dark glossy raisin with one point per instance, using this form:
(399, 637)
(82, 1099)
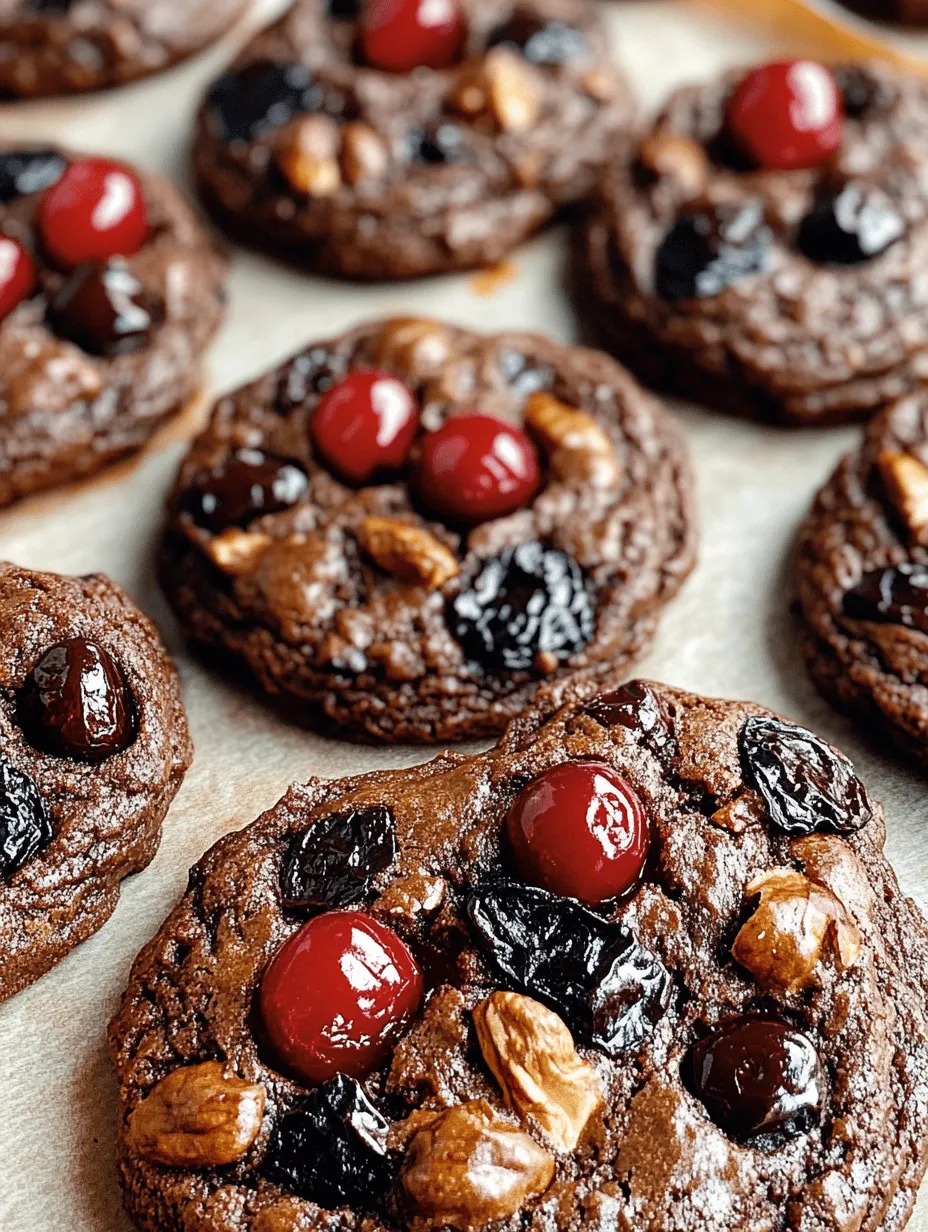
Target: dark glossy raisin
(29, 171)
(307, 375)
(333, 1148)
(807, 786)
(105, 310)
(522, 374)
(850, 223)
(333, 862)
(636, 707)
(528, 601)
(760, 1079)
(895, 595)
(437, 145)
(75, 703)
(25, 825)
(541, 42)
(248, 485)
(261, 97)
(708, 249)
(608, 988)
(859, 91)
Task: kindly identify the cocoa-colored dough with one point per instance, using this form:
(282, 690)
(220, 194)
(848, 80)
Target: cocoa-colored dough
(106, 817)
(651, 1158)
(350, 647)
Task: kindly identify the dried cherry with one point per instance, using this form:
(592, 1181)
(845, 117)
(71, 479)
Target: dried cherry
(29, 171)
(850, 223)
(711, 247)
(895, 595)
(594, 972)
(260, 97)
(25, 825)
(807, 785)
(333, 1148)
(543, 42)
(332, 862)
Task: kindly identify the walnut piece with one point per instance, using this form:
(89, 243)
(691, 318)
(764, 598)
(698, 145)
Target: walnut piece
(531, 1054)
(307, 154)
(795, 921)
(413, 344)
(364, 154)
(199, 1116)
(829, 860)
(906, 480)
(465, 1168)
(671, 156)
(578, 447)
(237, 551)
(501, 85)
(410, 553)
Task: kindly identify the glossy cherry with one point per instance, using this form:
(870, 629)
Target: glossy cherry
(787, 115)
(476, 467)
(365, 424)
(400, 35)
(95, 211)
(17, 275)
(336, 994)
(579, 830)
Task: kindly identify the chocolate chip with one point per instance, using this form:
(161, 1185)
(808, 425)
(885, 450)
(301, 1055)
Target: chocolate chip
(895, 595)
(709, 249)
(542, 42)
(75, 703)
(25, 825)
(525, 376)
(105, 310)
(760, 1079)
(261, 97)
(850, 223)
(858, 90)
(313, 372)
(437, 145)
(636, 708)
(248, 485)
(29, 171)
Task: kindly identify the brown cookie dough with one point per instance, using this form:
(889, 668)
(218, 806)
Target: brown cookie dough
(793, 323)
(52, 47)
(750, 1050)
(87, 383)
(862, 578)
(365, 611)
(94, 747)
(303, 149)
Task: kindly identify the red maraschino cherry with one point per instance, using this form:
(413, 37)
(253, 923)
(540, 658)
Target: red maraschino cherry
(95, 211)
(400, 35)
(579, 830)
(17, 275)
(365, 424)
(787, 115)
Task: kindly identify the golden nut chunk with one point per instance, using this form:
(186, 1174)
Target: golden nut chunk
(307, 154)
(417, 344)
(795, 921)
(531, 1054)
(906, 480)
(408, 552)
(502, 85)
(237, 551)
(465, 1168)
(199, 1116)
(364, 154)
(578, 447)
(674, 157)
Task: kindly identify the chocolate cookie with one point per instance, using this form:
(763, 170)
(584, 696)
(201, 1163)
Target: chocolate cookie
(405, 531)
(64, 46)
(901, 12)
(763, 251)
(94, 747)
(374, 146)
(862, 577)
(109, 292)
(379, 1007)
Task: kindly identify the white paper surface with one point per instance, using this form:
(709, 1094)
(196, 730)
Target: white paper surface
(728, 634)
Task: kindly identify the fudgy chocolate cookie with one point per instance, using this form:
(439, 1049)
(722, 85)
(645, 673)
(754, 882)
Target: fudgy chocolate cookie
(110, 290)
(903, 12)
(763, 251)
(862, 577)
(64, 46)
(399, 139)
(644, 966)
(405, 531)
(94, 747)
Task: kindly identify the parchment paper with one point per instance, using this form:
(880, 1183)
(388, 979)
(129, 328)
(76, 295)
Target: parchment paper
(728, 634)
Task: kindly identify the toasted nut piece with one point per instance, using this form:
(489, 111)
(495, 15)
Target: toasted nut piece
(413, 897)
(599, 84)
(531, 1054)
(672, 156)
(417, 344)
(829, 860)
(466, 1168)
(408, 552)
(576, 445)
(364, 153)
(906, 480)
(501, 84)
(237, 551)
(199, 1116)
(782, 943)
(307, 154)
(736, 814)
